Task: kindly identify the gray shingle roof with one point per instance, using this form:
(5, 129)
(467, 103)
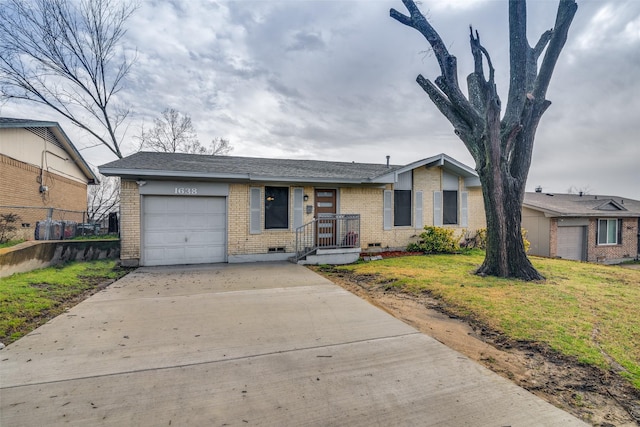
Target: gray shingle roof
(251, 168)
(557, 204)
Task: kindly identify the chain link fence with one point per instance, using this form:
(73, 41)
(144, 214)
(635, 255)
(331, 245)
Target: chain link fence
(42, 223)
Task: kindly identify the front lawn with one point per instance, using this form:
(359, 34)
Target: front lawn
(583, 310)
(28, 300)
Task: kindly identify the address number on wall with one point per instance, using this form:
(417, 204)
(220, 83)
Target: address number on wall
(186, 190)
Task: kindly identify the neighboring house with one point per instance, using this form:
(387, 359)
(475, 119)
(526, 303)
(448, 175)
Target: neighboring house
(42, 174)
(189, 209)
(582, 227)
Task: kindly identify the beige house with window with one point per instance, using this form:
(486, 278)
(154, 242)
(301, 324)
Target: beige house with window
(593, 228)
(42, 174)
(190, 209)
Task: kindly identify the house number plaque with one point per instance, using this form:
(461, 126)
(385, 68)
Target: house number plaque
(186, 190)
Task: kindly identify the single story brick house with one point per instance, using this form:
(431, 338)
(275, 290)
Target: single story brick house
(190, 209)
(581, 227)
(42, 174)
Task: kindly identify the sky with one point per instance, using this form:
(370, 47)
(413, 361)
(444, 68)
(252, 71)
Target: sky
(335, 80)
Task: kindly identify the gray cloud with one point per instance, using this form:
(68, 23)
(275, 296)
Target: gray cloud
(336, 80)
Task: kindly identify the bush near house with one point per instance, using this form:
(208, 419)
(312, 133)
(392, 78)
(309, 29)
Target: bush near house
(479, 239)
(436, 240)
(7, 229)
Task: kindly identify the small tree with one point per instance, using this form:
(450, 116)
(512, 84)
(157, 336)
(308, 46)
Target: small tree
(174, 132)
(6, 226)
(102, 199)
(66, 55)
(501, 147)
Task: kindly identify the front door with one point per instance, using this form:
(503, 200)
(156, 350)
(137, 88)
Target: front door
(325, 209)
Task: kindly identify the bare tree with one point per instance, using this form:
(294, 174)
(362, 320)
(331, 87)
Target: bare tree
(501, 148)
(67, 55)
(220, 147)
(174, 132)
(579, 190)
(102, 199)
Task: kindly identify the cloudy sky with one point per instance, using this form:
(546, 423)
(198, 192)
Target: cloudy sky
(335, 80)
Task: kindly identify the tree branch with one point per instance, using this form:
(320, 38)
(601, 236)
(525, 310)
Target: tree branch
(566, 11)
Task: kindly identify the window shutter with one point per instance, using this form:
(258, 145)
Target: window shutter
(297, 207)
(388, 206)
(619, 231)
(464, 209)
(419, 220)
(255, 205)
(437, 208)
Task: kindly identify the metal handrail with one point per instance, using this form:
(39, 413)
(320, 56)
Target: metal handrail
(328, 231)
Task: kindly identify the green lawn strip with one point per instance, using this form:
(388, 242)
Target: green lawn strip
(11, 243)
(28, 300)
(583, 310)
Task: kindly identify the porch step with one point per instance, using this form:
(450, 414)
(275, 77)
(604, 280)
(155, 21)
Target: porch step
(331, 256)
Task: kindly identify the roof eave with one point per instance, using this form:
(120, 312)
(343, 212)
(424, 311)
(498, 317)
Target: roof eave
(442, 160)
(148, 173)
(74, 153)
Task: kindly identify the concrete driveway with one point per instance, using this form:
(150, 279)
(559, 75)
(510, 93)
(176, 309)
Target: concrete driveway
(252, 344)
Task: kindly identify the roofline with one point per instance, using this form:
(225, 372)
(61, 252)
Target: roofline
(549, 213)
(62, 137)
(138, 173)
(443, 160)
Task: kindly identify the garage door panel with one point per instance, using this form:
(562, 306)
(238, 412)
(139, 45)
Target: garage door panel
(570, 242)
(184, 230)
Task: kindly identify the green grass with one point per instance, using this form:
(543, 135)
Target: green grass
(11, 243)
(587, 311)
(97, 237)
(28, 300)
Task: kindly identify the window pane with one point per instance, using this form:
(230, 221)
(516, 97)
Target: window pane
(402, 207)
(276, 207)
(450, 207)
(612, 231)
(602, 231)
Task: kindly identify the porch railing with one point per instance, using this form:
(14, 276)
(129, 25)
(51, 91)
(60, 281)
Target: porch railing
(328, 231)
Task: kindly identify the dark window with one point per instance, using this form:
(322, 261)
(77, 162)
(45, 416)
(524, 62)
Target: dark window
(401, 207)
(276, 207)
(449, 207)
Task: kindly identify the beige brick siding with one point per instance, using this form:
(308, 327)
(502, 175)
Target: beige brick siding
(19, 186)
(366, 201)
(241, 241)
(129, 222)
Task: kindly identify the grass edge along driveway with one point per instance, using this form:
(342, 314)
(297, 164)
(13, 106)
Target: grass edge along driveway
(28, 300)
(583, 310)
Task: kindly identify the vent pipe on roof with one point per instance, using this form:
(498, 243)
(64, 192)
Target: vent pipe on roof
(538, 189)
(388, 157)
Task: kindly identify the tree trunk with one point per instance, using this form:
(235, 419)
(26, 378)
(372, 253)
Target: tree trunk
(505, 254)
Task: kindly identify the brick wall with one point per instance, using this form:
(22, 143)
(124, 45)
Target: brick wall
(611, 253)
(241, 241)
(20, 185)
(129, 222)
(368, 202)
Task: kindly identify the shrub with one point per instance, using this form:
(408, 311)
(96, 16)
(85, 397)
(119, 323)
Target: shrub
(436, 240)
(6, 226)
(479, 240)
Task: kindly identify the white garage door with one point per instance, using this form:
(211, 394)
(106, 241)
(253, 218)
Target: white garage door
(571, 243)
(183, 230)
